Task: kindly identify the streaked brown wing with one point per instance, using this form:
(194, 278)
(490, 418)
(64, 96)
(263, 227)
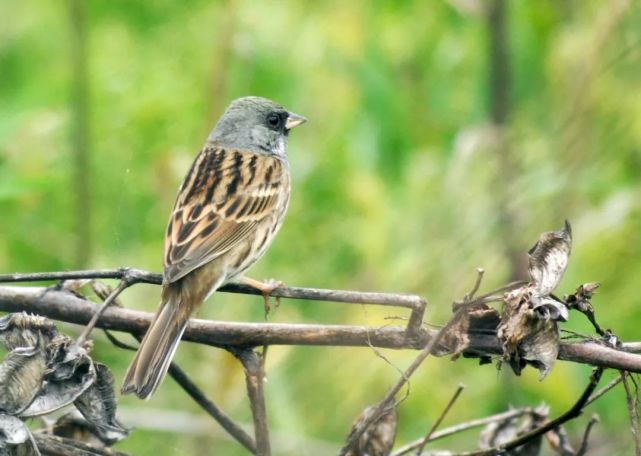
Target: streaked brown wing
(223, 198)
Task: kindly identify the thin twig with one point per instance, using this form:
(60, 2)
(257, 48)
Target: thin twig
(634, 413)
(105, 292)
(376, 413)
(358, 430)
(614, 382)
(574, 412)
(317, 294)
(586, 435)
(181, 377)
(133, 276)
(254, 379)
(138, 275)
(479, 278)
(122, 285)
(449, 405)
(461, 427)
(494, 294)
(221, 417)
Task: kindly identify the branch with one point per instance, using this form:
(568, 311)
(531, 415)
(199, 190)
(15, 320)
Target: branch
(106, 293)
(212, 409)
(449, 405)
(133, 276)
(389, 397)
(503, 416)
(614, 382)
(586, 435)
(254, 378)
(631, 401)
(54, 446)
(107, 300)
(199, 397)
(574, 412)
(65, 306)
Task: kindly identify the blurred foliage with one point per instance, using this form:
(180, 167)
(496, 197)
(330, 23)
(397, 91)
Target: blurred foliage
(397, 181)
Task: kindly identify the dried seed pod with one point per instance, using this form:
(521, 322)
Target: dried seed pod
(98, 405)
(502, 432)
(65, 356)
(70, 373)
(551, 309)
(549, 258)
(528, 337)
(22, 374)
(15, 438)
(475, 320)
(21, 330)
(378, 438)
(73, 426)
(581, 298)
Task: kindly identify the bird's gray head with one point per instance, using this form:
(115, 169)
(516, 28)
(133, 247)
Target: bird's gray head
(256, 124)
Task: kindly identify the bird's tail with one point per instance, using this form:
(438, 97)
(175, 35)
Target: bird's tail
(157, 349)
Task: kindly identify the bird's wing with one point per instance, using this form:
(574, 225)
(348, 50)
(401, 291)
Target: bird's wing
(224, 197)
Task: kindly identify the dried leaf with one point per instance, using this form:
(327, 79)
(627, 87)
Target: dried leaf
(549, 259)
(528, 336)
(15, 438)
(98, 405)
(70, 373)
(21, 376)
(378, 438)
(21, 330)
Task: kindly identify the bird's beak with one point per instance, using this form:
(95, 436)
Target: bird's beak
(294, 120)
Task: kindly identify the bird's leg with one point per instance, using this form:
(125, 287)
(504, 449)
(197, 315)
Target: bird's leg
(266, 288)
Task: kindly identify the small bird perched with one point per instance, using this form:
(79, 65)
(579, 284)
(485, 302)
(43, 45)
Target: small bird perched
(229, 207)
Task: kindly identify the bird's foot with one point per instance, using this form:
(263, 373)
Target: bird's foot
(266, 288)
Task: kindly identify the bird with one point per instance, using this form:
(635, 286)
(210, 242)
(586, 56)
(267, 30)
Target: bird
(230, 205)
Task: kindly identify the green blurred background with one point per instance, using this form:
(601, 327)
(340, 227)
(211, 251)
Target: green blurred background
(442, 136)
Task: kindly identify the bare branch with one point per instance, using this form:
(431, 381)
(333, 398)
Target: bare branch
(106, 293)
(254, 378)
(199, 397)
(389, 397)
(479, 278)
(212, 409)
(461, 427)
(65, 306)
(574, 412)
(106, 303)
(500, 417)
(139, 276)
(604, 390)
(586, 435)
(449, 405)
(133, 276)
(631, 400)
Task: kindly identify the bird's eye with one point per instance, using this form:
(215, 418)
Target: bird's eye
(274, 120)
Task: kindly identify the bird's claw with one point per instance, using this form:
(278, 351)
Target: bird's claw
(268, 287)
